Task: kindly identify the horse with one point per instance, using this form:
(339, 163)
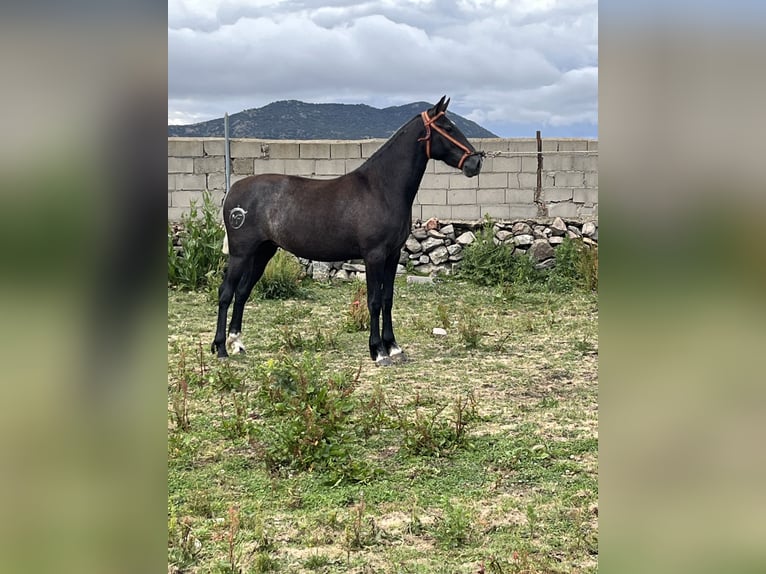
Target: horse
(364, 214)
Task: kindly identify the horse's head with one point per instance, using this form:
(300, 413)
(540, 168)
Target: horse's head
(444, 141)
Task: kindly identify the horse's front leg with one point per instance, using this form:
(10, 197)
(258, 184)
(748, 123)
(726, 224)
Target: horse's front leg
(231, 279)
(389, 341)
(375, 273)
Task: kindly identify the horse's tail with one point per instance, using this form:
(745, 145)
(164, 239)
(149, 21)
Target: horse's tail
(225, 247)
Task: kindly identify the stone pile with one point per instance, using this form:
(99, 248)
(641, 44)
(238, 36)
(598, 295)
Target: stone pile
(434, 247)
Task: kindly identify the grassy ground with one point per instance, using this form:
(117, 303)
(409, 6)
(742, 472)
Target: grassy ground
(505, 404)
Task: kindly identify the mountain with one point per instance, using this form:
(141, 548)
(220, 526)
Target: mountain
(292, 119)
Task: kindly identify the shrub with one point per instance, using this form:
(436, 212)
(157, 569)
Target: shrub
(485, 263)
(200, 262)
(576, 267)
(281, 278)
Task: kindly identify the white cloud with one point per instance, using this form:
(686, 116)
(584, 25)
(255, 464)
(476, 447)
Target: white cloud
(500, 61)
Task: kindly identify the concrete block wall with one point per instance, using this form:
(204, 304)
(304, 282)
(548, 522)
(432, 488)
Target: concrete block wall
(504, 190)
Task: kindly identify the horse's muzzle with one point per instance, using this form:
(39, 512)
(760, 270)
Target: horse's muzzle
(472, 164)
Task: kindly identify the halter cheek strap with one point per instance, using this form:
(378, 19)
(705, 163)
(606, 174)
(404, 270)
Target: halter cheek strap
(431, 122)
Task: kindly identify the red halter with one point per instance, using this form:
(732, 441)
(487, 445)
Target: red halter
(431, 122)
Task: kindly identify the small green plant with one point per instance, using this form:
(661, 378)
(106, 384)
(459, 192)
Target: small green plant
(281, 279)
(441, 310)
(358, 318)
(486, 263)
(183, 546)
(291, 340)
(200, 261)
(576, 267)
(316, 561)
(469, 331)
(431, 434)
(454, 529)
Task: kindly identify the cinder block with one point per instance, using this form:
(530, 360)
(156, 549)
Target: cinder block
(491, 144)
(246, 148)
(459, 181)
(214, 146)
(461, 196)
(522, 211)
(441, 167)
(242, 166)
(185, 198)
(352, 164)
(495, 211)
(332, 167)
(416, 213)
(435, 181)
(345, 150)
(216, 181)
(175, 213)
(570, 179)
(171, 181)
(529, 164)
(522, 144)
(591, 179)
(557, 194)
(184, 147)
(527, 180)
(513, 180)
(519, 196)
(284, 150)
(588, 212)
(592, 145)
(438, 211)
(315, 150)
(551, 144)
(191, 182)
(432, 196)
(563, 209)
(211, 164)
(506, 164)
(490, 196)
(573, 145)
(585, 162)
(465, 212)
(492, 180)
(268, 166)
(558, 162)
(370, 147)
(170, 193)
(587, 196)
(180, 165)
(304, 167)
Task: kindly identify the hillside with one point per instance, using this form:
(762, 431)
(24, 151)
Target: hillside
(292, 119)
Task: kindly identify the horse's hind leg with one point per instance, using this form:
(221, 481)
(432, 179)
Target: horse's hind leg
(375, 272)
(251, 276)
(234, 271)
(389, 341)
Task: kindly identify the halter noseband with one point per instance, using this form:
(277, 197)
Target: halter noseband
(431, 122)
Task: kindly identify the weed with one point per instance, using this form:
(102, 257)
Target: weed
(200, 261)
(281, 279)
(358, 318)
(576, 267)
(454, 529)
(441, 309)
(429, 434)
(316, 561)
(469, 331)
(183, 546)
(485, 263)
(291, 340)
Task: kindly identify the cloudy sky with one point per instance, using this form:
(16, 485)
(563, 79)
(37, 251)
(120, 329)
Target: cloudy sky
(513, 66)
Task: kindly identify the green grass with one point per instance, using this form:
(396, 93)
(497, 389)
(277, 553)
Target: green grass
(516, 489)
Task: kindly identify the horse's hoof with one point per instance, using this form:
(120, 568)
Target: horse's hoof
(397, 355)
(383, 361)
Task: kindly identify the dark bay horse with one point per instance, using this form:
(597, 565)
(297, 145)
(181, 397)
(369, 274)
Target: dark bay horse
(363, 214)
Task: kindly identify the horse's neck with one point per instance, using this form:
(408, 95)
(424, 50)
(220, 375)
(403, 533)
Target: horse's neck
(401, 162)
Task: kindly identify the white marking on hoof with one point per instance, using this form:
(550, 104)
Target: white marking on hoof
(397, 355)
(383, 360)
(235, 343)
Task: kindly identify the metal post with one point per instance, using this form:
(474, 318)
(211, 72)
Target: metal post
(226, 152)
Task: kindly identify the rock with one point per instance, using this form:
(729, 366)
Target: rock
(361, 277)
(436, 234)
(589, 229)
(466, 238)
(431, 243)
(420, 280)
(572, 235)
(539, 232)
(400, 270)
(413, 245)
(574, 230)
(414, 256)
(426, 268)
(439, 255)
(456, 257)
(355, 267)
(454, 249)
(588, 241)
(420, 234)
(439, 332)
(555, 240)
(424, 259)
(403, 257)
(341, 275)
(541, 250)
(547, 264)
(523, 240)
(321, 271)
(558, 227)
(432, 223)
(449, 231)
(521, 228)
(504, 236)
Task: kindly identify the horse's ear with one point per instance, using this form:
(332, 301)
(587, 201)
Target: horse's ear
(444, 107)
(439, 107)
